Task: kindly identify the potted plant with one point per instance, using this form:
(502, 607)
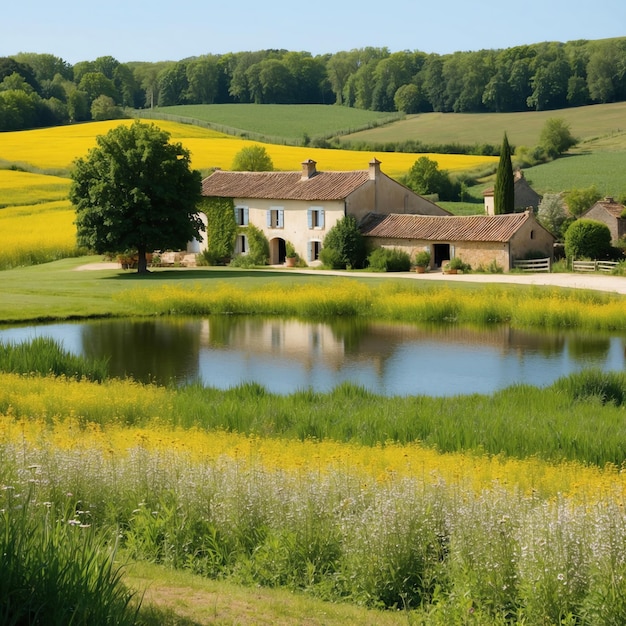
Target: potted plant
(422, 261)
(290, 254)
(454, 266)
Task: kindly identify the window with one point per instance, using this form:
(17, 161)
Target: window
(315, 217)
(241, 215)
(241, 245)
(275, 218)
(314, 250)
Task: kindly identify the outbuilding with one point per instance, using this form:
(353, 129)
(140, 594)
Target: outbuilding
(609, 212)
(479, 240)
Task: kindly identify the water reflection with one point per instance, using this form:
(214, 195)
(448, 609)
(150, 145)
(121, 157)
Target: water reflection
(284, 355)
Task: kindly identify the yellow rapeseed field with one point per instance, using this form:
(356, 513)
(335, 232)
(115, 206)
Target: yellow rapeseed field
(25, 188)
(56, 148)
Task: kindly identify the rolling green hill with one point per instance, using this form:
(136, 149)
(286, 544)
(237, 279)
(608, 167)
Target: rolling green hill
(276, 123)
(598, 127)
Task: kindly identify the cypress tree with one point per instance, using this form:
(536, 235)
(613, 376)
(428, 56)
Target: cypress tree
(503, 193)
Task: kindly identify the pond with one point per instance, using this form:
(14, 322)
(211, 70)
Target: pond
(286, 355)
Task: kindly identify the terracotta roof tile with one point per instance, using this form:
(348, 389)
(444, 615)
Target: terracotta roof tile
(284, 185)
(442, 228)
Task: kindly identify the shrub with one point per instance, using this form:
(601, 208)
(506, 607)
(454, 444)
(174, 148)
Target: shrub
(332, 259)
(422, 258)
(587, 238)
(389, 260)
(458, 264)
(259, 249)
(347, 241)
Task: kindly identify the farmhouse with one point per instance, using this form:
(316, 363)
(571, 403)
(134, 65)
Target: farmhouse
(525, 197)
(610, 213)
(475, 239)
(301, 207)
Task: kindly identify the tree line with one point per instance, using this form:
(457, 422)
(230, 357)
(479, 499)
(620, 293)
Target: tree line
(42, 89)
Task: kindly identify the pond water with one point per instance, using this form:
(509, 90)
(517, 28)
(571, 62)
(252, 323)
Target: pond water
(285, 355)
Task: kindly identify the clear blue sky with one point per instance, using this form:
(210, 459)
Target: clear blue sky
(134, 30)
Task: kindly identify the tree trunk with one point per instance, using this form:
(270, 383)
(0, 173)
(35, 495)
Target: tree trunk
(142, 261)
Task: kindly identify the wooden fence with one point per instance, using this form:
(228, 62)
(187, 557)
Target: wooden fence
(594, 266)
(533, 265)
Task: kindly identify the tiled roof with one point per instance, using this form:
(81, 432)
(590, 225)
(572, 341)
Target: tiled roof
(442, 228)
(284, 185)
(612, 207)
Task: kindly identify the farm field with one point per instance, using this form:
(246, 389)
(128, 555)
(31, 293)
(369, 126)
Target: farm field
(597, 127)
(288, 123)
(53, 150)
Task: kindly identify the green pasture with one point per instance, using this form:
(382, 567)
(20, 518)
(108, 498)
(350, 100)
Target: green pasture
(590, 124)
(282, 122)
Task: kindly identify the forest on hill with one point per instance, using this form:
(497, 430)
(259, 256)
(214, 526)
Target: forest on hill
(44, 90)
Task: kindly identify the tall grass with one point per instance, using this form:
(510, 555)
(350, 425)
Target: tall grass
(571, 420)
(394, 541)
(57, 568)
(44, 356)
(409, 302)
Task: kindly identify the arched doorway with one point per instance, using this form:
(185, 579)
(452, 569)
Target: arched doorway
(277, 251)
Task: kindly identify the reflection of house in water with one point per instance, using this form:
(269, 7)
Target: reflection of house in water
(305, 342)
(358, 341)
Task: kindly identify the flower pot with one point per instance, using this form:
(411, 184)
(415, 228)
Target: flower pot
(290, 261)
(420, 269)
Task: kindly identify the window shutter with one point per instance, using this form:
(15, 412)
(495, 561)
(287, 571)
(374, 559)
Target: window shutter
(321, 218)
(245, 216)
(310, 251)
(236, 209)
(309, 215)
(281, 218)
(269, 218)
(451, 251)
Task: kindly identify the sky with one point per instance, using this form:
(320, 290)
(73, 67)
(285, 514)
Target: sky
(160, 30)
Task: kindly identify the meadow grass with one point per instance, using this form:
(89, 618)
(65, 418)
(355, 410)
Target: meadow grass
(394, 301)
(418, 542)
(56, 567)
(576, 419)
(46, 356)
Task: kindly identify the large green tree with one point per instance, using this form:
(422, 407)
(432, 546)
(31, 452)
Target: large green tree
(504, 189)
(136, 190)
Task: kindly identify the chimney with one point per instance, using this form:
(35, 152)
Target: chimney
(374, 169)
(308, 169)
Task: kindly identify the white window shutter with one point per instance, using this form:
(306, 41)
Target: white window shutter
(309, 215)
(321, 218)
(281, 218)
(245, 216)
(310, 251)
(269, 218)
